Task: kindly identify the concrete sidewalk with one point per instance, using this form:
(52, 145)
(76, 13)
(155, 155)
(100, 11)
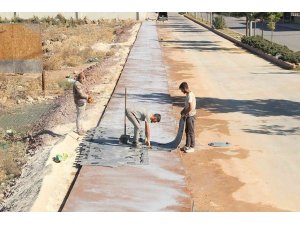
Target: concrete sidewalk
(159, 186)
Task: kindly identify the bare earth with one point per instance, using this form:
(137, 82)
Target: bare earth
(246, 101)
(44, 183)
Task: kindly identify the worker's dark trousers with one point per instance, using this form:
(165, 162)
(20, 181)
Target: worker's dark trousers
(190, 131)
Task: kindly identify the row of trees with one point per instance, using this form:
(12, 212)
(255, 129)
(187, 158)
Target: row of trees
(271, 18)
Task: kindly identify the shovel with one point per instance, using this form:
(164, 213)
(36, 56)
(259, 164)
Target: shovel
(124, 137)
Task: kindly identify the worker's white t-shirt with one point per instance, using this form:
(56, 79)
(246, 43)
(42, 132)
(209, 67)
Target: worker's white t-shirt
(190, 98)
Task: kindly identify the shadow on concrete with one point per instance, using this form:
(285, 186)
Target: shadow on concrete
(236, 27)
(256, 107)
(155, 98)
(193, 42)
(177, 25)
(200, 45)
(274, 130)
(279, 73)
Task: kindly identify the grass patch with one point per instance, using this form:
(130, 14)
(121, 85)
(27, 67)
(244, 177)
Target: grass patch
(12, 156)
(232, 33)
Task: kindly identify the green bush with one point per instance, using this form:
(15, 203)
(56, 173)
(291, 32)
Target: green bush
(280, 51)
(57, 20)
(17, 19)
(61, 18)
(34, 19)
(71, 23)
(219, 22)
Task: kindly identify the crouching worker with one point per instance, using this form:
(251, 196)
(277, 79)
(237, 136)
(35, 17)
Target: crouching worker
(135, 116)
(80, 97)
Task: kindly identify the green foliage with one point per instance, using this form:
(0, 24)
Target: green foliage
(17, 19)
(219, 22)
(238, 14)
(61, 19)
(273, 18)
(256, 15)
(34, 19)
(71, 22)
(46, 20)
(280, 51)
(57, 20)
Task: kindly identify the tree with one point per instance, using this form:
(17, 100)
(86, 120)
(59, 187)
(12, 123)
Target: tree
(273, 18)
(249, 17)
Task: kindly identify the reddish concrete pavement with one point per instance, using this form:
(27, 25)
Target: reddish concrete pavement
(159, 186)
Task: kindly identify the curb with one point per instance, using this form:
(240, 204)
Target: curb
(270, 58)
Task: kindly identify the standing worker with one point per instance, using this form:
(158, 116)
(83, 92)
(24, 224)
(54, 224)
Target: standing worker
(189, 112)
(80, 97)
(137, 115)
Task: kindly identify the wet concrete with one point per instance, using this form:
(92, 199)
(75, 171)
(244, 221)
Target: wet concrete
(159, 186)
(102, 147)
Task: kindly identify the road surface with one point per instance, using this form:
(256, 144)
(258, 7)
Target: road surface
(246, 101)
(282, 35)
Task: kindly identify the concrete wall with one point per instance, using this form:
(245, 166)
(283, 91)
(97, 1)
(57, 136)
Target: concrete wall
(20, 48)
(297, 19)
(90, 15)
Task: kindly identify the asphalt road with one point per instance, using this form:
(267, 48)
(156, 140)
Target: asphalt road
(282, 35)
(242, 99)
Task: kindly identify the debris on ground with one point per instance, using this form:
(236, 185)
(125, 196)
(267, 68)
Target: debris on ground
(60, 157)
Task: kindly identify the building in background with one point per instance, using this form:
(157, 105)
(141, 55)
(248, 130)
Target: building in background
(291, 17)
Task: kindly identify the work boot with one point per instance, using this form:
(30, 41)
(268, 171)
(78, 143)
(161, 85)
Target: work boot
(183, 148)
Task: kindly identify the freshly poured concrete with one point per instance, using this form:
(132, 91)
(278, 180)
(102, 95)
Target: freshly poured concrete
(159, 186)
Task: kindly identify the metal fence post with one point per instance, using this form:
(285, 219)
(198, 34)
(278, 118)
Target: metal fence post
(43, 82)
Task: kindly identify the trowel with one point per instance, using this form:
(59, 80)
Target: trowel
(124, 137)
